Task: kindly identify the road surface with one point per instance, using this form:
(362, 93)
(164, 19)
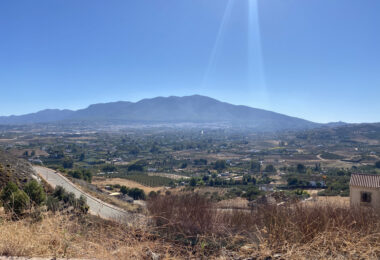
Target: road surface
(97, 207)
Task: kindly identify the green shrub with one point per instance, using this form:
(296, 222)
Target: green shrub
(81, 174)
(152, 194)
(81, 205)
(124, 189)
(252, 193)
(35, 192)
(135, 193)
(52, 204)
(13, 199)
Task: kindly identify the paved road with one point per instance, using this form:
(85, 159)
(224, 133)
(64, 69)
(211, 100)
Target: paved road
(97, 207)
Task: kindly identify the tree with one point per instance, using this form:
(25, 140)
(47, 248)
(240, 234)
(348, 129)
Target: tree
(193, 182)
(200, 162)
(292, 181)
(7, 191)
(220, 165)
(13, 199)
(317, 167)
(154, 149)
(67, 163)
(135, 167)
(137, 194)
(124, 190)
(109, 168)
(35, 192)
(134, 151)
(270, 168)
(255, 166)
(252, 193)
(172, 184)
(183, 165)
(301, 168)
(152, 194)
(377, 164)
(52, 204)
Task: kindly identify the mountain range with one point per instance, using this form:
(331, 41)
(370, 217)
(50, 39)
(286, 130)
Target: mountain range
(169, 110)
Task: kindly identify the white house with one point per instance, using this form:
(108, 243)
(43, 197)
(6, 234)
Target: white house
(365, 190)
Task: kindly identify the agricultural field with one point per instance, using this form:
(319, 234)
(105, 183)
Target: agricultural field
(245, 165)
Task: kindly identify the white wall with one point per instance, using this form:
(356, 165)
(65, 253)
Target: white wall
(355, 196)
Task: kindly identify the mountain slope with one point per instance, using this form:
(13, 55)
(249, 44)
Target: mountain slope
(44, 116)
(189, 109)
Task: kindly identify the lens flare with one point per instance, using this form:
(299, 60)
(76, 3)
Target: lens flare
(217, 43)
(256, 77)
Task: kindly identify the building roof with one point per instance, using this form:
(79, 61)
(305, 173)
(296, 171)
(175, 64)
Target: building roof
(365, 180)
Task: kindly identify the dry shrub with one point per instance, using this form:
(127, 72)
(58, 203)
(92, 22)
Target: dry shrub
(80, 237)
(295, 231)
(188, 214)
(189, 226)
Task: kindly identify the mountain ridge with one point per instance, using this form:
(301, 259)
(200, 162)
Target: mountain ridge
(172, 109)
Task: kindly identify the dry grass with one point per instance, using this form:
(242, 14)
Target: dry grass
(90, 237)
(236, 203)
(189, 226)
(320, 231)
(102, 182)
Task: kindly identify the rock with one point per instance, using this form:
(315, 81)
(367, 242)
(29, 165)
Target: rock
(152, 255)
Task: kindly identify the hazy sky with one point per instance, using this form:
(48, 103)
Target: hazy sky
(315, 59)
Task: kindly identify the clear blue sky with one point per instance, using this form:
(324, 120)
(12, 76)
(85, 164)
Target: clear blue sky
(315, 59)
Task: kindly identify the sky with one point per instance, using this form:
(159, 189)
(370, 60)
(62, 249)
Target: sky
(315, 59)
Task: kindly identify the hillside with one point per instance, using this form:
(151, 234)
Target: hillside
(189, 109)
(12, 169)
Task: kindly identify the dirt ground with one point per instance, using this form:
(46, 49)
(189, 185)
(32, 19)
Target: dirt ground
(38, 152)
(237, 203)
(102, 182)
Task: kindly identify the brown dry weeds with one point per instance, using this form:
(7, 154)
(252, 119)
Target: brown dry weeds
(189, 226)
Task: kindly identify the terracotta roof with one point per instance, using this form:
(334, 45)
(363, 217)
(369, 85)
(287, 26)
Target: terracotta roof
(365, 180)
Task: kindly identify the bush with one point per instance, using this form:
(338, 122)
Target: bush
(252, 193)
(124, 189)
(255, 166)
(52, 204)
(135, 193)
(136, 167)
(67, 163)
(270, 168)
(81, 205)
(67, 199)
(59, 192)
(81, 174)
(152, 194)
(35, 192)
(187, 214)
(193, 182)
(13, 199)
(301, 168)
(220, 165)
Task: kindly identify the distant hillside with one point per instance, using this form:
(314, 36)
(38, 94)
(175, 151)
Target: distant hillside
(44, 116)
(188, 109)
(13, 169)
